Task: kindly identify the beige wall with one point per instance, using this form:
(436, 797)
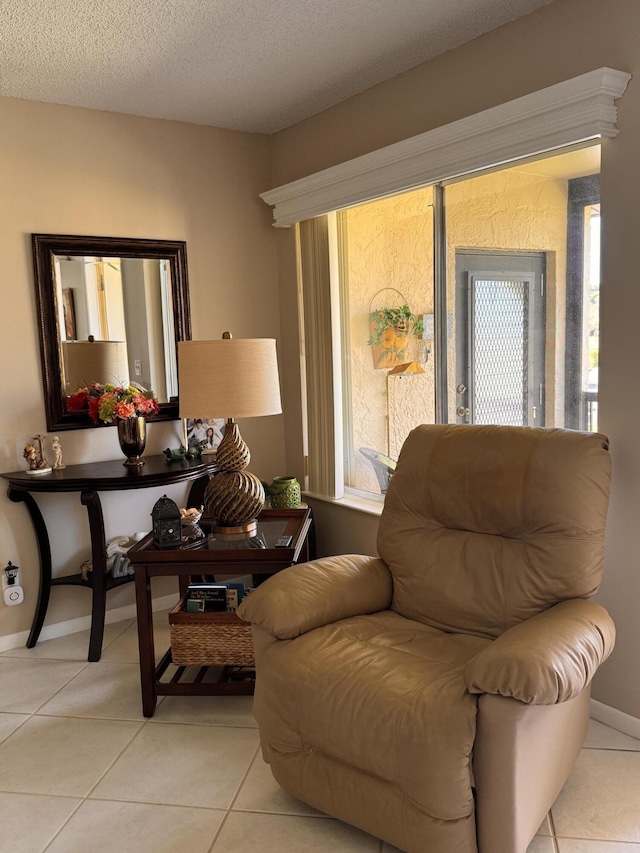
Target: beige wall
(67, 170)
(559, 41)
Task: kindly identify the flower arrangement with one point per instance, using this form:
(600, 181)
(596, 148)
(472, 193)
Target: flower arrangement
(108, 402)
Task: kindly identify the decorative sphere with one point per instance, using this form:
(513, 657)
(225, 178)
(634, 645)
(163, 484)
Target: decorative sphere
(234, 497)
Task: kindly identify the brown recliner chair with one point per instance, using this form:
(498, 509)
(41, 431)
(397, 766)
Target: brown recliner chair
(438, 697)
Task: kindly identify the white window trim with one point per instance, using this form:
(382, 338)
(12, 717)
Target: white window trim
(352, 499)
(566, 113)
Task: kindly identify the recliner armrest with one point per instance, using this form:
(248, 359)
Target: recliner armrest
(547, 659)
(309, 595)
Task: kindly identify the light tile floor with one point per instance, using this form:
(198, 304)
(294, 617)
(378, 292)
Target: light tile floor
(82, 770)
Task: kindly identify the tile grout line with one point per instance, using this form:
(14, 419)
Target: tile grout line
(218, 831)
(233, 799)
(118, 756)
(62, 687)
(65, 824)
(85, 798)
(31, 716)
(8, 652)
(27, 717)
(244, 778)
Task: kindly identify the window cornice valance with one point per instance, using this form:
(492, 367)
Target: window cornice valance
(567, 113)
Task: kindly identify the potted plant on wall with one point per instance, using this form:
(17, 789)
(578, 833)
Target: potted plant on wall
(389, 331)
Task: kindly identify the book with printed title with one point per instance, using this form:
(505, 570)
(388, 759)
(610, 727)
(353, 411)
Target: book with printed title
(203, 597)
(214, 596)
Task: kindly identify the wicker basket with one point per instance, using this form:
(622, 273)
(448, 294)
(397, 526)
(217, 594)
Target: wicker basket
(209, 639)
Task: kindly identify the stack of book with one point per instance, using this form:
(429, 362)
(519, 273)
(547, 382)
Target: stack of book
(220, 597)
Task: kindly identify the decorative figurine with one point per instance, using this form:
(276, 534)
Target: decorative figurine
(30, 455)
(36, 458)
(175, 455)
(87, 566)
(196, 450)
(58, 464)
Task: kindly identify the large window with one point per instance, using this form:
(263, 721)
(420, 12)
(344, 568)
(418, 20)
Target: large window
(472, 302)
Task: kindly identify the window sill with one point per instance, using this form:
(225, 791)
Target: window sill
(351, 501)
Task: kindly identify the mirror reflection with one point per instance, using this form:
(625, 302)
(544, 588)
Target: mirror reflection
(110, 310)
(115, 323)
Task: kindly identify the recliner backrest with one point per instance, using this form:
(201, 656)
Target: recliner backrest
(485, 526)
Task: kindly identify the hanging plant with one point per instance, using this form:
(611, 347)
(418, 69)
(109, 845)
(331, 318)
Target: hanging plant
(402, 319)
(389, 331)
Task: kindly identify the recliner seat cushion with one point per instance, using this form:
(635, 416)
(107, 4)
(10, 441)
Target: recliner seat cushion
(379, 693)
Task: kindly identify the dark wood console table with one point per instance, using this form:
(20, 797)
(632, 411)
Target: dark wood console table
(89, 480)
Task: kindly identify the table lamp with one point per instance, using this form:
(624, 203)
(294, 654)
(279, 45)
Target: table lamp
(230, 378)
(87, 362)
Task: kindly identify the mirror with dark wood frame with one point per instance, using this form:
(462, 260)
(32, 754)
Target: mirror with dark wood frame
(110, 309)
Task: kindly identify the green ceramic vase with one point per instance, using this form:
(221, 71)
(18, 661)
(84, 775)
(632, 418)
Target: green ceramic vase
(284, 493)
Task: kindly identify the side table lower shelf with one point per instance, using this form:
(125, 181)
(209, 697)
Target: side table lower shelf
(229, 680)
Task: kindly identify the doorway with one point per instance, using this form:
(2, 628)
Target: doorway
(500, 339)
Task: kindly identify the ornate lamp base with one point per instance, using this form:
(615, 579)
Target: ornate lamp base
(234, 499)
(239, 531)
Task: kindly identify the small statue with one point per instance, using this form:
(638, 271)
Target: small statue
(35, 458)
(57, 454)
(86, 567)
(196, 450)
(174, 455)
(30, 455)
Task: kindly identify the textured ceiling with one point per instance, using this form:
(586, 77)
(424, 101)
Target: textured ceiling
(258, 65)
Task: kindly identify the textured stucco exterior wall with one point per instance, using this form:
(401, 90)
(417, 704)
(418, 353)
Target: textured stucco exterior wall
(390, 245)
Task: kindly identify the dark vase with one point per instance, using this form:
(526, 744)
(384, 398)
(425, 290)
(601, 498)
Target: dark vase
(132, 435)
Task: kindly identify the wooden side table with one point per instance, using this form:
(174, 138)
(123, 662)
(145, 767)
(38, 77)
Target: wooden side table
(216, 556)
(89, 480)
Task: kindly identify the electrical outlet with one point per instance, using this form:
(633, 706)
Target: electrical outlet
(137, 366)
(13, 595)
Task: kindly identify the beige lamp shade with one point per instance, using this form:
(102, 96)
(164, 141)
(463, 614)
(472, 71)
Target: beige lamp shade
(87, 362)
(228, 378)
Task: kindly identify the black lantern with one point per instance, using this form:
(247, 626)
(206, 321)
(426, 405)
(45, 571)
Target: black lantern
(166, 523)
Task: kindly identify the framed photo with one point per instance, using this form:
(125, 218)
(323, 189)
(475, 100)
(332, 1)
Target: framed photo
(69, 314)
(207, 432)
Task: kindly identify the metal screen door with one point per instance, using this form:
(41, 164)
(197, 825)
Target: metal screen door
(500, 338)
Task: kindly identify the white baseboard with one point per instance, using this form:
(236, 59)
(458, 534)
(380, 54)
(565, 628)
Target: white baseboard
(82, 623)
(617, 720)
